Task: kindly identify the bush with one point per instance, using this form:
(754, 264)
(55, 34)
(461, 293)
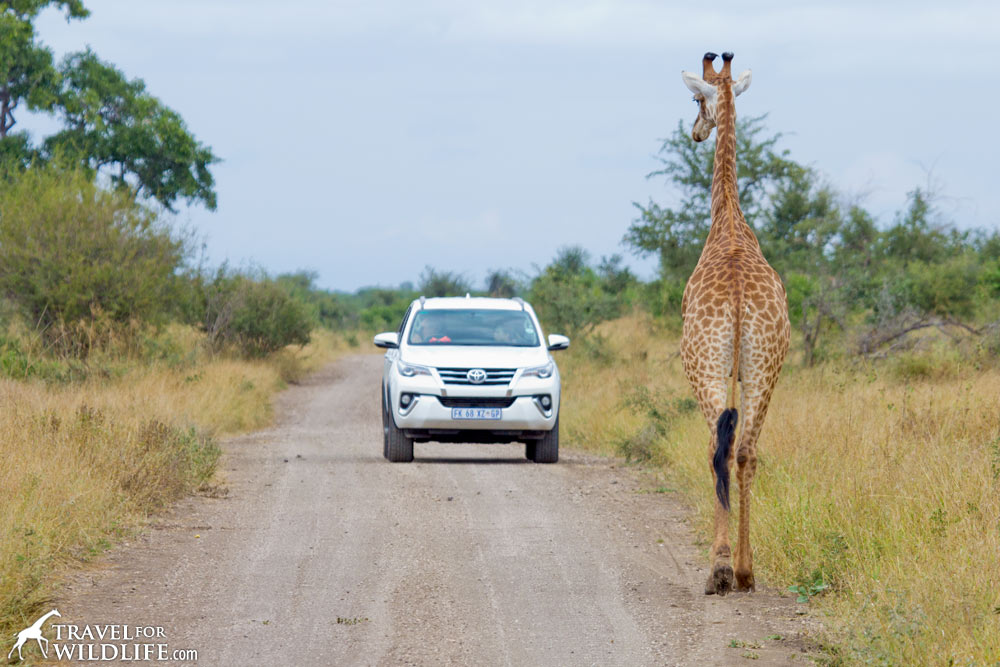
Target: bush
(443, 283)
(72, 253)
(256, 316)
(571, 297)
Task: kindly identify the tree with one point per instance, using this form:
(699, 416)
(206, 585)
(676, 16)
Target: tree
(113, 124)
(26, 70)
(501, 283)
(572, 298)
(443, 283)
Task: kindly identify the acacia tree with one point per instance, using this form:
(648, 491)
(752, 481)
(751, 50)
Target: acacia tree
(26, 70)
(114, 124)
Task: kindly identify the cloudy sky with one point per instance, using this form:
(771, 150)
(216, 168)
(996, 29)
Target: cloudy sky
(365, 140)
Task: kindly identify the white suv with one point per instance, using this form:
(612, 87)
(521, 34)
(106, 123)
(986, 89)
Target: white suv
(470, 370)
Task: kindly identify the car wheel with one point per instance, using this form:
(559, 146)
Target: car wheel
(398, 447)
(547, 449)
(529, 450)
(385, 427)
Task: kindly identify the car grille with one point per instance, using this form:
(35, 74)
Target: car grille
(472, 402)
(494, 376)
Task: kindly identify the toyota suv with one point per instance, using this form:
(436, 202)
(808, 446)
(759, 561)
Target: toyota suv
(470, 369)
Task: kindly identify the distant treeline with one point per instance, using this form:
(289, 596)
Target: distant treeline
(88, 254)
(855, 285)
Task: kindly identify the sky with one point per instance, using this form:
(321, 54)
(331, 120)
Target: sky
(367, 140)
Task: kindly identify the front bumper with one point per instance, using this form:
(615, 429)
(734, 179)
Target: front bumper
(524, 414)
(427, 411)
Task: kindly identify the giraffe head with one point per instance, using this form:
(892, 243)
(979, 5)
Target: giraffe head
(706, 91)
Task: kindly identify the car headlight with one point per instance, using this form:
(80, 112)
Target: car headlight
(409, 370)
(542, 372)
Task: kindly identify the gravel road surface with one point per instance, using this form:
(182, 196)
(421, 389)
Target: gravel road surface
(317, 551)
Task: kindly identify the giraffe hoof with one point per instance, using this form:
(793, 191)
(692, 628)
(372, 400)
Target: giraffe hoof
(720, 581)
(744, 582)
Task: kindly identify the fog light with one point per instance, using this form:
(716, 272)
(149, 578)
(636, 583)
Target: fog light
(404, 400)
(546, 401)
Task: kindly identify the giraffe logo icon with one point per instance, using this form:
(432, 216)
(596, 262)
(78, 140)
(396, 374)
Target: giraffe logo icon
(33, 632)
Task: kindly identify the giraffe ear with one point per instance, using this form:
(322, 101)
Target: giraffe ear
(697, 85)
(742, 82)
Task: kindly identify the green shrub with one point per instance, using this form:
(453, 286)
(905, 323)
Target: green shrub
(77, 259)
(20, 363)
(254, 316)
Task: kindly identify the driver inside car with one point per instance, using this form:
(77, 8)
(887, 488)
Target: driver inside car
(427, 331)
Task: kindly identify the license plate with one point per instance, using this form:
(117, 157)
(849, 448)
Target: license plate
(475, 413)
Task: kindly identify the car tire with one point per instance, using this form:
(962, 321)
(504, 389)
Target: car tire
(398, 447)
(385, 427)
(546, 450)
(529, 450)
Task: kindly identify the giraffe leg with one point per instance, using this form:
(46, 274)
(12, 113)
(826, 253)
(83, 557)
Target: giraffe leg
(755, 401)
(747, 467)
(720, 578)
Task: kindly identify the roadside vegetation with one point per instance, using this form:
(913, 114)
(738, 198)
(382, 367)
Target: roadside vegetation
(121, 365)
(122, 360)
(878, 489)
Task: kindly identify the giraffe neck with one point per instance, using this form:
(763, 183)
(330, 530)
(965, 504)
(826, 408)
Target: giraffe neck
(728, 225)
(39, 622)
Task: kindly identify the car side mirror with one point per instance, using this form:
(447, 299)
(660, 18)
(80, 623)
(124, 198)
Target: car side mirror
(557, 342)
(388, 340)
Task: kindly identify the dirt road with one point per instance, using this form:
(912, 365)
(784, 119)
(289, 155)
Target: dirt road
(323, 553)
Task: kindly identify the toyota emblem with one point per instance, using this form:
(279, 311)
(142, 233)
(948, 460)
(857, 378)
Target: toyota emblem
(476, 376)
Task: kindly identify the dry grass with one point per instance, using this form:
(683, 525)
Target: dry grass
(882, 483)
(81, 464)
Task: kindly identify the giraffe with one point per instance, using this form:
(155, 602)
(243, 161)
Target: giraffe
(735, 327)
(33, 632)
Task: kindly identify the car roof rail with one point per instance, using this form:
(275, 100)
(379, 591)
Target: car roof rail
(519, 300)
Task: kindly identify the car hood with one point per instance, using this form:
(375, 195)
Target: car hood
(474, 356)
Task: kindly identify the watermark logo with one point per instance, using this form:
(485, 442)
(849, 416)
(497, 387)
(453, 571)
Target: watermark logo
(101, 643)
(34, 631)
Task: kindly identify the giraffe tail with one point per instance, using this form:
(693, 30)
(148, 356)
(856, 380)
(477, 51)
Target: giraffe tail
(726, 426)
(726, 431)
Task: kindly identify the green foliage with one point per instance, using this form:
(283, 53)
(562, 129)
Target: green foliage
(659, 415)
(20, 363)
(809, 588)
(382, 309)
(840, 268)
(253, 314)
(26, 70)
(71, 252)
(502, 283)
(443, 283)
(112, 123)
(572, 297)
(29, 9)
(325, 308)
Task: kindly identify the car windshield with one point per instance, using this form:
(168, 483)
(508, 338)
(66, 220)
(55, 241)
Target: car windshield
(473, 327)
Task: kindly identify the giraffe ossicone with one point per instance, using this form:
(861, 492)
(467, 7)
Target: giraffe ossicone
(736, 328)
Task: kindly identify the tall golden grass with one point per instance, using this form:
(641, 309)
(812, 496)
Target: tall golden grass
(82, 463)
(877, 494)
